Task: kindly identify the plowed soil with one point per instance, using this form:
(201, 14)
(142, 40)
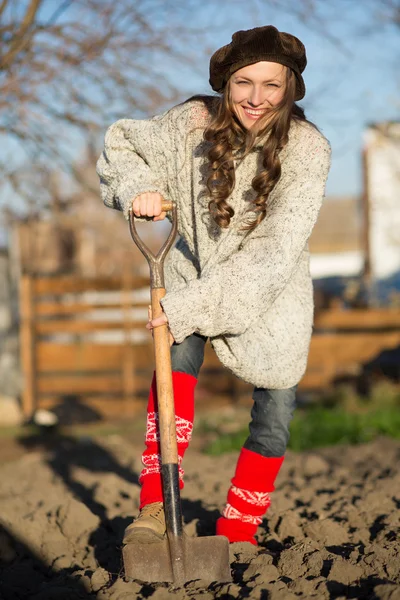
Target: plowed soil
(332, 530)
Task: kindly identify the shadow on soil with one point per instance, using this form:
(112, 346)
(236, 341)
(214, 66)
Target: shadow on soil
(23, 575)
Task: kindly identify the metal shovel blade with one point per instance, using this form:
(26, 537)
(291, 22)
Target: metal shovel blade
(205, 558)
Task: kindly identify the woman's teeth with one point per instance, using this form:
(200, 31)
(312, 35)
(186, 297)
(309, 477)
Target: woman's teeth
(253, 113)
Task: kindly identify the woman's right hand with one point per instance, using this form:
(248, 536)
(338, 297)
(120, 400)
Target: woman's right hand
(149, 205)
(164, 320)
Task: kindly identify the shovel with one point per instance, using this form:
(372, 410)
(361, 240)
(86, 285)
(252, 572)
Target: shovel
(178, 558)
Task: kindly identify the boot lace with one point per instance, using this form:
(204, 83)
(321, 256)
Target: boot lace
(153, 510)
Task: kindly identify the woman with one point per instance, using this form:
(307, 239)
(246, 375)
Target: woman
(248, 173)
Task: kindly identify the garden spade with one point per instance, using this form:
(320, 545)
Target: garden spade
(178, 558)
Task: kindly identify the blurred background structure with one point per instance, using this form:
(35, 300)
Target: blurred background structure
(73, 286)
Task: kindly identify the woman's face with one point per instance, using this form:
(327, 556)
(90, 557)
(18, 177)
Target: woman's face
(255, 89)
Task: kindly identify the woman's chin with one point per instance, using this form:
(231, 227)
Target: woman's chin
(248, 123)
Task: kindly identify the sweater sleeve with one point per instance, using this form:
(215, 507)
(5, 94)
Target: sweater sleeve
(234, 294)
(134, 160)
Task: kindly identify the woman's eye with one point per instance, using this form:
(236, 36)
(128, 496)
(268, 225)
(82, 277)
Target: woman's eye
(273, 85)
(240, 82)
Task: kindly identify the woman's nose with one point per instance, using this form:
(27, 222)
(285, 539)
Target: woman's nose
(256, 96)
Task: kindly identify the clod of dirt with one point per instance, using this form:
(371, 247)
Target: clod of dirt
(99, 579)
(326, 532)
(288, 527)
(314, 465)
(387, 592)
(345, 572)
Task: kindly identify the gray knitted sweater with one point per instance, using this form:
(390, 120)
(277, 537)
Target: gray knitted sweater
(251, 295)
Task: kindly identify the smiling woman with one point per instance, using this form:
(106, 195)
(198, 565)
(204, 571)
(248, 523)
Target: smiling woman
(247, 172)
(259, 75)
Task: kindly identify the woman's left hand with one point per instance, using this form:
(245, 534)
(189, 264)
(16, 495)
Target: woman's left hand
(161, 320)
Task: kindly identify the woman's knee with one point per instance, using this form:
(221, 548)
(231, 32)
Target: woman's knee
(271, 415)
(188, 356)
(274, 405)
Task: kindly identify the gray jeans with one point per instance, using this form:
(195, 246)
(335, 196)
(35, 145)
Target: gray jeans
(272, 410)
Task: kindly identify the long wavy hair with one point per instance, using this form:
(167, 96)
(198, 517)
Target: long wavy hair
(231, 141)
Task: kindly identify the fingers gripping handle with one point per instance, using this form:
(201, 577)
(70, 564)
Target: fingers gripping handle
(166, 206)
(156, 263)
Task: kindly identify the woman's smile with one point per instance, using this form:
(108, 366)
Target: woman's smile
(254, 113)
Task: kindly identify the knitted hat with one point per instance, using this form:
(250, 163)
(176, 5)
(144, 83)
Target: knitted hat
(251, 46)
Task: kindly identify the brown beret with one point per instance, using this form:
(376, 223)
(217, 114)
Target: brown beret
(254, 45)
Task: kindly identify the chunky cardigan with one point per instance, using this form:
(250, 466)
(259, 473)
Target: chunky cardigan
(251, 294)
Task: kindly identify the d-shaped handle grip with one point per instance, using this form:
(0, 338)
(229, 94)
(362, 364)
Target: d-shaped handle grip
(156, 262)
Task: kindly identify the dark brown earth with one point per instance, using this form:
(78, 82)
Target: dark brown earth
(332, 530)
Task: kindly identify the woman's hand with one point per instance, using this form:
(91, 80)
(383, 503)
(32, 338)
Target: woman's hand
(161, 320)
(148, 205)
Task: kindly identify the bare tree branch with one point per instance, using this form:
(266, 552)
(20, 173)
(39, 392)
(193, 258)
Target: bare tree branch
(3, 6)
(68, 71)
(21, 38)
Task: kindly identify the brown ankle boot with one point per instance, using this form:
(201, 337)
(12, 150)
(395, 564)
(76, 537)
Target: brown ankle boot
(148, 527)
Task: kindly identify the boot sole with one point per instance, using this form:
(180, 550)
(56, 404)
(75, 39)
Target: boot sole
(143, 535)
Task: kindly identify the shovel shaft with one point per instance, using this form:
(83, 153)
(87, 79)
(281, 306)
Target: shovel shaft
(166, 417)
(165, 392)
(169, 449)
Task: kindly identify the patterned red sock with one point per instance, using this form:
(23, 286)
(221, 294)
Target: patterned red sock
(150, 477)
(248, 497)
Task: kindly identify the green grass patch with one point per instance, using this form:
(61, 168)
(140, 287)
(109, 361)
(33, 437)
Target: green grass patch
(317, 426)
(320, 427)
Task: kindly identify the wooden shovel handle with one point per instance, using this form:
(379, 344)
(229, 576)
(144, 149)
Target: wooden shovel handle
(165, 394)
(166, 206)
(162, 357)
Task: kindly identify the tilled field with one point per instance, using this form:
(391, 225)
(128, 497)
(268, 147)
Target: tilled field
(332, 530)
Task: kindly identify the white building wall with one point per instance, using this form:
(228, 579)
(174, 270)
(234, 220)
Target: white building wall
(383, 170)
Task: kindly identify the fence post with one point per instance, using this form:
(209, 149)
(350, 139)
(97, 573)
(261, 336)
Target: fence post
(27, 345)
(128, 369)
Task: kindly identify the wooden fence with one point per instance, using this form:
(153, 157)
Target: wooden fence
(345, 342)
(84, 340)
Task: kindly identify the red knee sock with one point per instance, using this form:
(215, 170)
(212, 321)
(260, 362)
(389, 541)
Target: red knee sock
(248, 497)
(150, 477)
